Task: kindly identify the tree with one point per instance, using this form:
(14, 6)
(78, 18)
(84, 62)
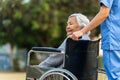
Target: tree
(39, 22)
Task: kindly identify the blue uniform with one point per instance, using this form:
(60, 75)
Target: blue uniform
(110, 30)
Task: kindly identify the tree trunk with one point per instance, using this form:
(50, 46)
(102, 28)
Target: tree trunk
(11, 56)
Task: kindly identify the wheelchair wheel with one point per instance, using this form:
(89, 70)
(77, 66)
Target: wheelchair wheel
(58, 74)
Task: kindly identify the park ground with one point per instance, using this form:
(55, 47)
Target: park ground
(22, 76)
(12, 75)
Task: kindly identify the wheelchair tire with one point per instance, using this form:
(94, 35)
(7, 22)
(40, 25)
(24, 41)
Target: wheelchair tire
(58, 74)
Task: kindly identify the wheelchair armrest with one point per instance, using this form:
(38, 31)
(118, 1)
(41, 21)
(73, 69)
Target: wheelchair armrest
(42, 49)
(50, 49)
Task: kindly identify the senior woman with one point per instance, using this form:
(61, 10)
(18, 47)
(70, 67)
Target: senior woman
(75, 22)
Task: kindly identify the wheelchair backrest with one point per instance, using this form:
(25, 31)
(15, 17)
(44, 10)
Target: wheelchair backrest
(81, 58)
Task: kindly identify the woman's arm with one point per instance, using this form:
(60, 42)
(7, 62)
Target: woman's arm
(97, 20)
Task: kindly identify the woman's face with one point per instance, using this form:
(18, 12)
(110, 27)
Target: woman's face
(72, 26)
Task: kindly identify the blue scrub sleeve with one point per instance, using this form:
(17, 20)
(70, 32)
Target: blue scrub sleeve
(107, 3)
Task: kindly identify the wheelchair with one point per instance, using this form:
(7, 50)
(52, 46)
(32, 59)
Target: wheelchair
(80, 62)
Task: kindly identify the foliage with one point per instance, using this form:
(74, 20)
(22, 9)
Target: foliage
(18, 64)
(39, 22)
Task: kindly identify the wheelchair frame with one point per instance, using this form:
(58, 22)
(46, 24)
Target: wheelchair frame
(53, 71)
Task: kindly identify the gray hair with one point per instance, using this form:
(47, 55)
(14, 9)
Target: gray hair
(82, 20)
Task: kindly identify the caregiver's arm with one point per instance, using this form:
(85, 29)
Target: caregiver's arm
(97, 20)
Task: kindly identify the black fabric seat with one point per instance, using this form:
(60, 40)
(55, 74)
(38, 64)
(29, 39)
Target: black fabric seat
(81, 58)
